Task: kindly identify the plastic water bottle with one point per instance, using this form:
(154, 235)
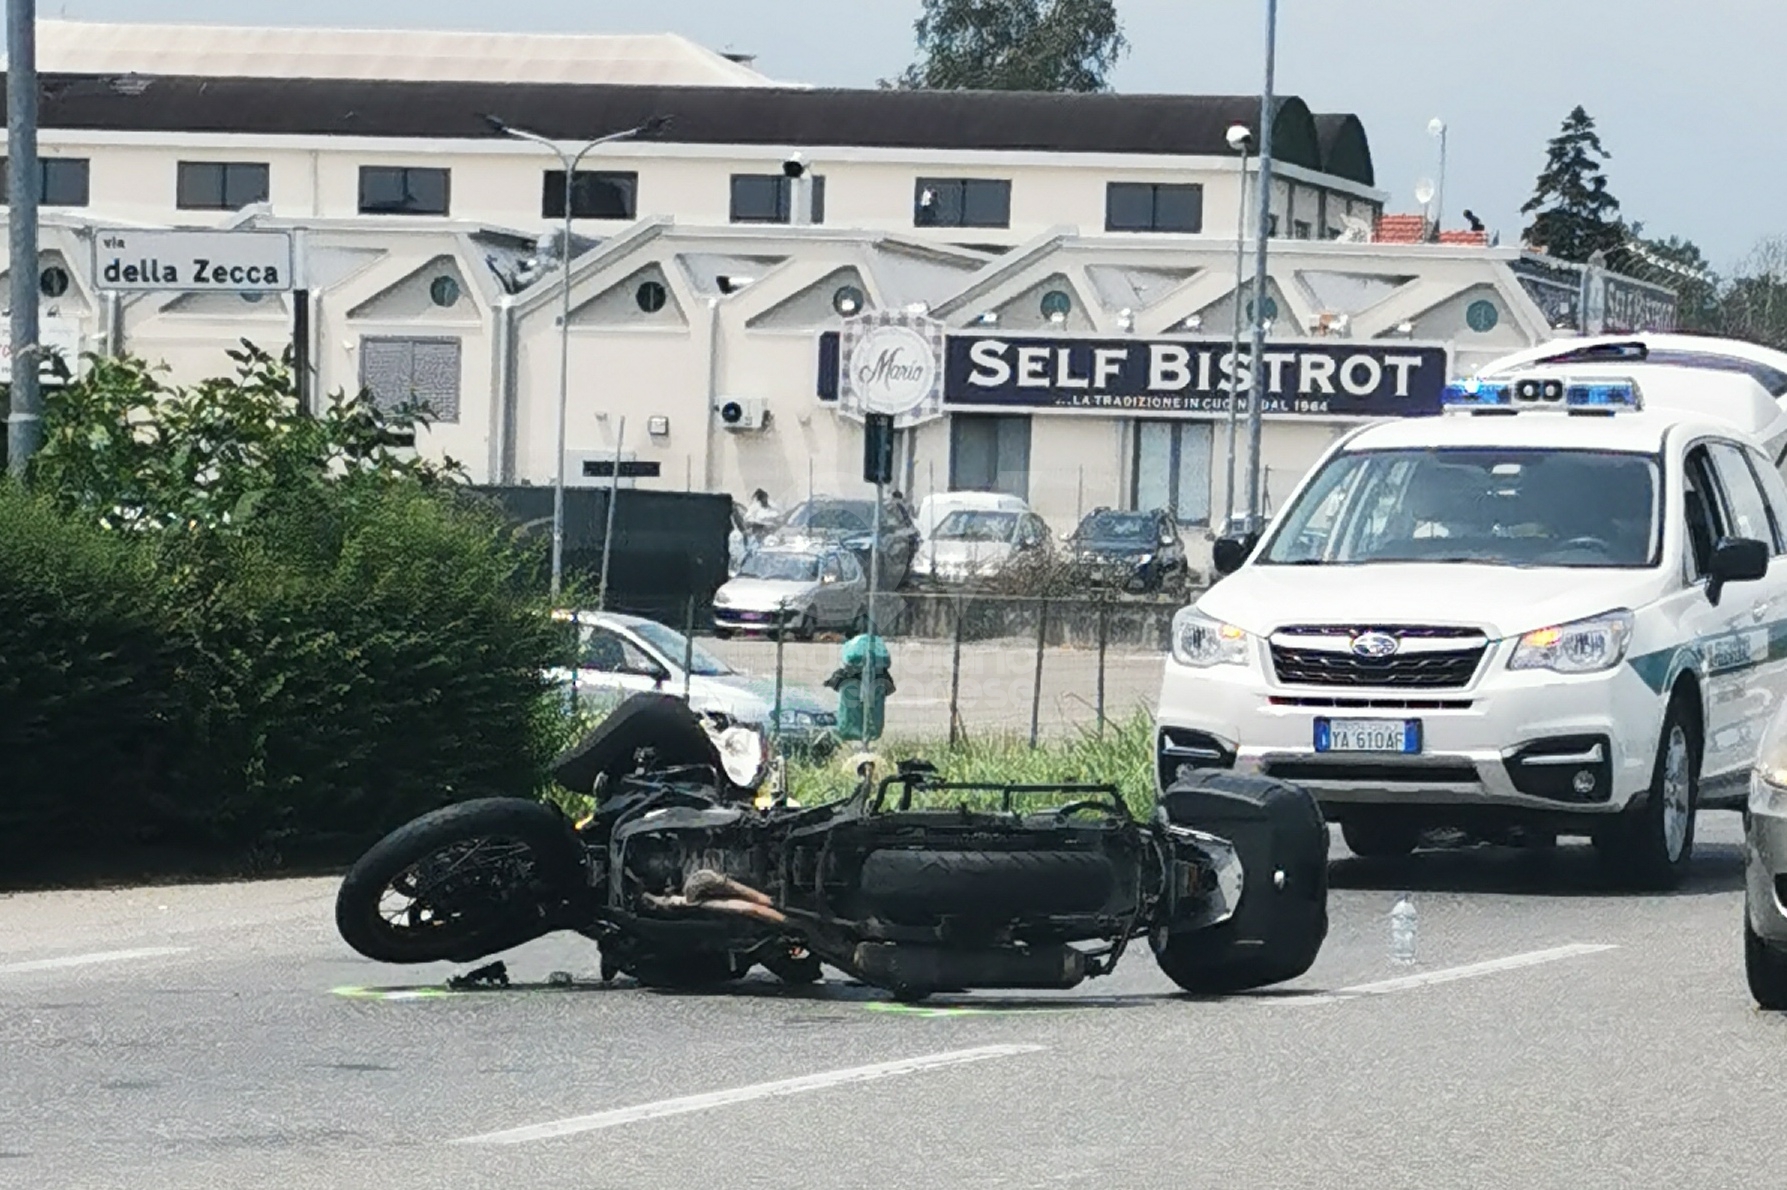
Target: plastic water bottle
(1402, 931)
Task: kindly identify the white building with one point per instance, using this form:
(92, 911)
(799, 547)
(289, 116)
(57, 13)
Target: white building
(1057, 226)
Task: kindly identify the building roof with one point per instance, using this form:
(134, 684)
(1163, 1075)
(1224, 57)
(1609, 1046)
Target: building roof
(1189, 125)
(219, 51)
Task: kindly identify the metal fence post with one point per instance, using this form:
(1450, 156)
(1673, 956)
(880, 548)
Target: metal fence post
(955, 677)
(775, 729)
(1104, 637)
(1042, 633)
(688, 644)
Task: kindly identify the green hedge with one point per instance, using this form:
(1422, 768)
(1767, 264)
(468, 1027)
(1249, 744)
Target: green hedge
(364, 653)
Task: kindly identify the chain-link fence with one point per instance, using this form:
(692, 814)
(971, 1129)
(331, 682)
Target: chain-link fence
(980, 665)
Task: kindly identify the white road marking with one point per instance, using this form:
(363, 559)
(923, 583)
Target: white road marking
(87, 960)
(787, 1086)
(1421, 979)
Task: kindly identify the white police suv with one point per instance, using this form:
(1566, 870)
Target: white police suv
(1550, 608)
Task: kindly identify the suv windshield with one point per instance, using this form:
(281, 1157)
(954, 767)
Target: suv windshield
(788, 568)
(1116, 526)
(1575, 508)
(674, 646)
(968, 524)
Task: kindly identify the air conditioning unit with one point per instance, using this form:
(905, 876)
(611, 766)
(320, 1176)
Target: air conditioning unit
(742, 413)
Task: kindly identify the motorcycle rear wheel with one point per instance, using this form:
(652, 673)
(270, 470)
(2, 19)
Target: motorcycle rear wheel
(461, 883)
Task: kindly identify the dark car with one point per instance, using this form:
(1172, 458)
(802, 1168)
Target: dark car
(1132, 551)
(832, 521)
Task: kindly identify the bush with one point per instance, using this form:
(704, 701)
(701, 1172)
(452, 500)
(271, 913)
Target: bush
(228, 627)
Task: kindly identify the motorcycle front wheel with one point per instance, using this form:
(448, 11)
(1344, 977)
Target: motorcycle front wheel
(461, 882)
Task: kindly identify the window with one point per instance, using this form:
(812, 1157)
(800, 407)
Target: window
(62, 181)
(1750, 513)
(608, 652)
(961, 202)
(412, 373)
(1172, 469)
(594, 195)
(769, 198)
(990, 453)
(1700, 507)
(219, 185)
(1301, 229)
(1491, 507)
(1144, 206)
(402, 190)
(1271, 226)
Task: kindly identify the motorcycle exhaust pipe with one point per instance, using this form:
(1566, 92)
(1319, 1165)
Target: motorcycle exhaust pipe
(891, 965)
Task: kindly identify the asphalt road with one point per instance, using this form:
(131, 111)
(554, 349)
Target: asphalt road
(1553, 1033)
(995, 688)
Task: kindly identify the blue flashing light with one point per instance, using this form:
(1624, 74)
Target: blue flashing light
(1477, 394)
(1609, 395)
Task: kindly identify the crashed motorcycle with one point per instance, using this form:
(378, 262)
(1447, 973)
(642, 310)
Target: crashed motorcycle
(689, 873)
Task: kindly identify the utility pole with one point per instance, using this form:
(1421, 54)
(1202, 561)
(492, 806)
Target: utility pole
(1257, 394)
(24, 425)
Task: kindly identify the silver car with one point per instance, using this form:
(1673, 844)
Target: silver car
(1765, 869)
(803, 591)
(619, 656)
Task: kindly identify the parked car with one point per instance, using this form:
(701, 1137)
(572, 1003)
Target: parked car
(935, 508)
(833, 522)
(1132, 551)
(1765, 869)
(975, 544)
(804, 590)
(619, 656)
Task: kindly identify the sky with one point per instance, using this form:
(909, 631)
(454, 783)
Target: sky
(1687, 95)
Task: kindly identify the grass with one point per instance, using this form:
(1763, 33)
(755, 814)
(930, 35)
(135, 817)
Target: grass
(1122, 757)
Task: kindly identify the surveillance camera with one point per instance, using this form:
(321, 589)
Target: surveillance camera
(1239, 137)
(795, 166)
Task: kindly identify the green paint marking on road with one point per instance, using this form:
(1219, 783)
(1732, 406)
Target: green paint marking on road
(393, 993)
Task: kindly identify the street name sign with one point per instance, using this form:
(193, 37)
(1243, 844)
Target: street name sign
(130, 260)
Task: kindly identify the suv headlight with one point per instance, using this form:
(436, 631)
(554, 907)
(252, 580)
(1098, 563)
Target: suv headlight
(1768, 780)
(1201, 642)
(1580, 647)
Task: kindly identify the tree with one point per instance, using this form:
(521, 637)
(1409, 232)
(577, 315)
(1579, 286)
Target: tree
(1016, 45)
(1754, 304)
(1574, 216)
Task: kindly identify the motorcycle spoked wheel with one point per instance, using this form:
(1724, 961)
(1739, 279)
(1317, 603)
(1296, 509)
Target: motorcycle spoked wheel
(460, 883)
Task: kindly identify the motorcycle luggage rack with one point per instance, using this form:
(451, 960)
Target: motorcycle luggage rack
(922, 778)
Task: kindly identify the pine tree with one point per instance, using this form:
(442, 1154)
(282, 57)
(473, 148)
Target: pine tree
(1573, 214)
(1016, 45)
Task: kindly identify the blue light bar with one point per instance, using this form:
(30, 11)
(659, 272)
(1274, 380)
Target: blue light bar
(1608, 395)
(1477, 394)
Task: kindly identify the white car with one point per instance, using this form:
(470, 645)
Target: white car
(619, 656)
(803, 591)
(1552, 607)
(977, 542)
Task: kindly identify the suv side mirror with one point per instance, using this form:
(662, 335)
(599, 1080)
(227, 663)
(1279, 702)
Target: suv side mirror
(1229, 553)
(1736, 560)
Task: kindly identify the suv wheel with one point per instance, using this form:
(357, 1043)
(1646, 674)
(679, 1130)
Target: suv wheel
(1652, 843)
(1765, 968)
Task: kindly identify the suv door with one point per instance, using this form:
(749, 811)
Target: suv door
(1765, 602)
(1724, 635)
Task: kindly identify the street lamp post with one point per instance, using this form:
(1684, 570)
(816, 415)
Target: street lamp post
(1257, 394)
(24, 424)
(1240, 138)
(570, 162)
(1437, 127)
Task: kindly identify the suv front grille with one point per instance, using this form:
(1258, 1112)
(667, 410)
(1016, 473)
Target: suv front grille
(1433, 671)
(1322, 656)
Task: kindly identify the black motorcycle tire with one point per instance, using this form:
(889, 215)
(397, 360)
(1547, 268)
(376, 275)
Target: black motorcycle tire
(557, 874)
(914, 886)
